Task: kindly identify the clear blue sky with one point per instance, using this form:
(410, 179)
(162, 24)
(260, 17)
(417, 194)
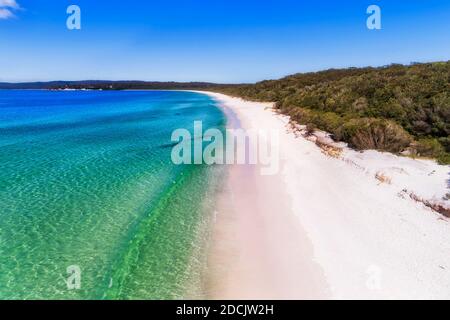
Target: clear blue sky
(215, 40)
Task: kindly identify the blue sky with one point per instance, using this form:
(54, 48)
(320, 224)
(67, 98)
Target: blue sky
(214, 40)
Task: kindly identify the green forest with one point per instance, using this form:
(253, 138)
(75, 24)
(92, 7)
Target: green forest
(396, 108)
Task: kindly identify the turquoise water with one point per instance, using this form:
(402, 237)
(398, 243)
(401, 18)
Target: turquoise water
(86, 179)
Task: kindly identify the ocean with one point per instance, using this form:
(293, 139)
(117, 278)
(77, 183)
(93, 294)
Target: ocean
(87, 184)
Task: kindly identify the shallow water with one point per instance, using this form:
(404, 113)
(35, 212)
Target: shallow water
(86, 179)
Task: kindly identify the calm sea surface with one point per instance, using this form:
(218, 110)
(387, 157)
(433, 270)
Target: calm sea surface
(86, 180)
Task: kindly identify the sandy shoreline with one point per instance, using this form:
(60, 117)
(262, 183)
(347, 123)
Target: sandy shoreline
(325, 227)
(255, 253)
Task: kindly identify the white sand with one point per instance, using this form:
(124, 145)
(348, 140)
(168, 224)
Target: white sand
(325, 227)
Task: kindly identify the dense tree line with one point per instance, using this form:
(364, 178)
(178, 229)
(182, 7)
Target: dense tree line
(394, 108)
(108, 85)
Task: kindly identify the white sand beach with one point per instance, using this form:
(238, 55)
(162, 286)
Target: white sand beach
(352, 226)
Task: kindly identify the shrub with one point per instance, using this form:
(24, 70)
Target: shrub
(329, 121)
(431, 148)
(445, 143)
(427, 147)
(444, 158)
(377, 134)
(309, 130)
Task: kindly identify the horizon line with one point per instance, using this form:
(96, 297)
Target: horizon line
(411, 63)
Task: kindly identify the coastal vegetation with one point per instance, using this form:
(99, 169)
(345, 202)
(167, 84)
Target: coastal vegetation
(396, 108)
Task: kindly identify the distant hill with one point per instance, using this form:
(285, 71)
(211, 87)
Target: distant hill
(107, 85)
(394, 108)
